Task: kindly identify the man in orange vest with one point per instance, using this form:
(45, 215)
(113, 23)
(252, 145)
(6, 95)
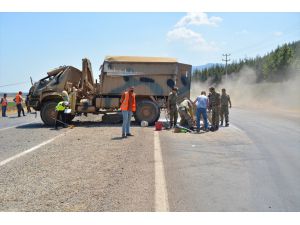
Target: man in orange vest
(19, 100)
(4, 105)
(128, 106)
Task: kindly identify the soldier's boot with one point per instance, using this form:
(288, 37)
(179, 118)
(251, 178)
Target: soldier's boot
(227, 124)
(221, 120)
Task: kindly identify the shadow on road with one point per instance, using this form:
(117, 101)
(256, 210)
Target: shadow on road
(32, 126)
(117, 138)
(14, 117)
(100, 124)
(78, 123)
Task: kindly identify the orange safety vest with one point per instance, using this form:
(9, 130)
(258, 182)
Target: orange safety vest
(124, 105)
(4, 102)
(18, 99)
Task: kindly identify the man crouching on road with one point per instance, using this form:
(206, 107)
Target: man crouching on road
(128, 106)
(60, 114)
(186, 112)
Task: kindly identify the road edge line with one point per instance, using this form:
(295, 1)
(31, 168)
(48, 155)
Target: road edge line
(161, 194)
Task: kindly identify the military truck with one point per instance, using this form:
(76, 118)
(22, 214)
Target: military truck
(152, 78)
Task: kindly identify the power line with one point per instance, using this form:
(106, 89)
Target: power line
(13, 84)
(226, 60)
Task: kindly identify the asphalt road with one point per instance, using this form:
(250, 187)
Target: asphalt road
(252, 165)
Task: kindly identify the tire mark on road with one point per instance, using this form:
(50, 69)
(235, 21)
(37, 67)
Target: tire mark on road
(161, 194)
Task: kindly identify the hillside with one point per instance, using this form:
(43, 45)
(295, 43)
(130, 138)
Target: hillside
(276, 66)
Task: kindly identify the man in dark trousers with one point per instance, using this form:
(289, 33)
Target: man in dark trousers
(4, 105)
(27, 104)
(214, 106)
(172, 107)
(60, 113)
(225, 101)
(19, 99)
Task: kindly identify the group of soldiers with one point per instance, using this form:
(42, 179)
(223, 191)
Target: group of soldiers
(216, 104)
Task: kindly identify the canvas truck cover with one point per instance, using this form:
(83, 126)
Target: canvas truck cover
(139, 59)
(153, 76)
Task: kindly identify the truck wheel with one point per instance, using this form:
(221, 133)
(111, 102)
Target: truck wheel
(48, 113)
(147, 111)
(114, 118)
(69, 118)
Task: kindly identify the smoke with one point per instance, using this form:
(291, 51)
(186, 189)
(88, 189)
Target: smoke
(245, 92)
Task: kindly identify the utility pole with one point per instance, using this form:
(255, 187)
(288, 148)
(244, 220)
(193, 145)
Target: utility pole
(226, 60)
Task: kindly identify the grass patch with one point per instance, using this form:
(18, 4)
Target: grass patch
(11, 104)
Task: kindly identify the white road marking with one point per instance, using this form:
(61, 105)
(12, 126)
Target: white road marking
(2, 163)
(22, 124)
(236, 128)
(161, 194)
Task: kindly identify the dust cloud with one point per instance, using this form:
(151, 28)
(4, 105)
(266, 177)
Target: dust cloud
(246, 93)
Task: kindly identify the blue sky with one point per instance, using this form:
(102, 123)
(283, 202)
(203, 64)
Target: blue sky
(33, 43)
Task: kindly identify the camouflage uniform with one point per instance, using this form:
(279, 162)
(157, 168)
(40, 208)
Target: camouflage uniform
(172, 105)
(225, 99)
(214, 105)
(186, 113)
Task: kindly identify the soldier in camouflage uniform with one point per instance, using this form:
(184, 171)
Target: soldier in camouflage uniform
(225, 99)
(186, 113)
(172, 107)
(214, 106)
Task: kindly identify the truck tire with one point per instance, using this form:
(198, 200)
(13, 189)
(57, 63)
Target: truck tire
(69, 118)
(112, 118)
(48, 113)
(147, 111)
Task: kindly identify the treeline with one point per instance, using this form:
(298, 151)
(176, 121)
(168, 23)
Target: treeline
(276, 66)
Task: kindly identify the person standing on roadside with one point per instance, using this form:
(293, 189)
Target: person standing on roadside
(27, 104)
(225, 101)
(19, 99)
(214, 106)
(128, 106)
(172, 107)
(4, 105)
(201, 104)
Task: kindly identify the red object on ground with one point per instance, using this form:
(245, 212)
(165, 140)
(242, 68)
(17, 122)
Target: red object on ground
(158, 125)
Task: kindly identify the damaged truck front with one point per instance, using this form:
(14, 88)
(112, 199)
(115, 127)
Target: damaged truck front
(152, 77)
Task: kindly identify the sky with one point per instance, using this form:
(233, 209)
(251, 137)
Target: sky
(33, 43)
